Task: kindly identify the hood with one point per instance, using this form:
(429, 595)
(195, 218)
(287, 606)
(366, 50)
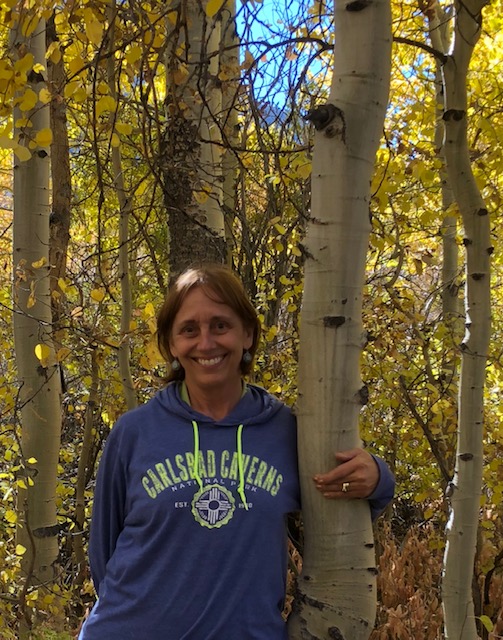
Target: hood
(255, 407)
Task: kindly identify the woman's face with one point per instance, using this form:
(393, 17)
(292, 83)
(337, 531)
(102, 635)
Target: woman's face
(208, 339)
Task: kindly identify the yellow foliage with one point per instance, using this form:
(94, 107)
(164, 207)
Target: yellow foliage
(22, 153)
(134, 53)
(105, 104)
(28, 100)
(213, 7)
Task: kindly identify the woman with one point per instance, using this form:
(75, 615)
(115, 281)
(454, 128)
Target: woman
(188, 536)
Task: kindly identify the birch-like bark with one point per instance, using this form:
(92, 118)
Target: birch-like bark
(38, 371)
(230, 77)
(465, 489)
(125, 200)
(440, 34)
(336, 592)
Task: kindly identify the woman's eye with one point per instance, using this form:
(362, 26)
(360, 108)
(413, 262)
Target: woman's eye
(189, 330)
(221, 326)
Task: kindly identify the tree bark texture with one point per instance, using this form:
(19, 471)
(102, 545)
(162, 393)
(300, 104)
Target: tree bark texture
(191, 154)
(336, 595)
(126, 203)
(38, 371)
(466, 486)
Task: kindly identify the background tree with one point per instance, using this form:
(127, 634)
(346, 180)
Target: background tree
(38, 371)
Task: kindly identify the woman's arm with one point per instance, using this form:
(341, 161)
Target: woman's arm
(108, 508)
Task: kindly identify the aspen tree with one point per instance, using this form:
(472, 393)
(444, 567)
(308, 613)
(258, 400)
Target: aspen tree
(336, 592)
(126, 203)
(38, 372)
(465, 489)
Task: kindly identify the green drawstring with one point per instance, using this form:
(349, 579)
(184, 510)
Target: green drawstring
(196, 455)
(241, 488)
(239, 438)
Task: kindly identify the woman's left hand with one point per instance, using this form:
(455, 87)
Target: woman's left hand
(356, 476)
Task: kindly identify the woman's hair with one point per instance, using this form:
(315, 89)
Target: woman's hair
(220, 284)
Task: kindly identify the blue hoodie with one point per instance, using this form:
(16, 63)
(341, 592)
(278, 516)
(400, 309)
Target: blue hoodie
(188, 535)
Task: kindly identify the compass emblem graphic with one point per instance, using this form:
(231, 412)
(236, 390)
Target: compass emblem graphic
(213, 506)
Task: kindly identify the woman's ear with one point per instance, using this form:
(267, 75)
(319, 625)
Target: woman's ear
(248, 341)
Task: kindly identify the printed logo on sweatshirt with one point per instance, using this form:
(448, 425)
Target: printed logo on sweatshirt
(213, 506)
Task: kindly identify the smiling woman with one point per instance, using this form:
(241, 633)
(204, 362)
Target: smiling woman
(209, 330)
(194, 487)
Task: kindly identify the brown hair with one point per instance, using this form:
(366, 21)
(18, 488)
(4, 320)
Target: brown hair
(222, 285)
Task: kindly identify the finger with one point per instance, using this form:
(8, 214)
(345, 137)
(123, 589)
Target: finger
(345, 456)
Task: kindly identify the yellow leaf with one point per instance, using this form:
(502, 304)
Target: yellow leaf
(304, 170)
(28, 100)
(115, 140)
(213, 7)
(39, 263)
(11, 516)
(53, 52)
(105, 103)
(42, 351)
(62, 284)
(44, 95)
(133, 54)
(124, 127)
(31, 460)
(94, 31)
(22, 153)
(80, 95)
(24, 64)
(22, 484)
(6, 142)
(172, 16)
(29, 24)
(23, 123)
(75, 65)
(149, 311)
(20, 549)
(97, 294)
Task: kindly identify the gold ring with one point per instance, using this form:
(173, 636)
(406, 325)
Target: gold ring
(345, 487)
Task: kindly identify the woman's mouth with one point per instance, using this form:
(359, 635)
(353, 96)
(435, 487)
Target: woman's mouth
(208, 362)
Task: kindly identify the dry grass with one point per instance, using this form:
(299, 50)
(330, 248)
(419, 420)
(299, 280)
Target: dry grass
(409, 598)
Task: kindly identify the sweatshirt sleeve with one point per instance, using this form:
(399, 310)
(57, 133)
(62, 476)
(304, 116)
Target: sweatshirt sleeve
(108, 507)
(384, 491)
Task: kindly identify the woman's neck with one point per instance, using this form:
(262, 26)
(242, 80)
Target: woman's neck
(214, 403)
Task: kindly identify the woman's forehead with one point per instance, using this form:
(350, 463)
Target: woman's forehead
(201, 303)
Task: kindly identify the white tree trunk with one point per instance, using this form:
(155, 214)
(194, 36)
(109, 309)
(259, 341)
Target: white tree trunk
(126, 204)
(466, 486)
(38, 372)
(336, 591)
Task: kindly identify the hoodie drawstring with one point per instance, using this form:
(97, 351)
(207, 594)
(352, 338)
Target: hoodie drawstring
(241, 486)
(196, 455)
(239, 444)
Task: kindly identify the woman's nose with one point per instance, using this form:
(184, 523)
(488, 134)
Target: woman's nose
(206, 339)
